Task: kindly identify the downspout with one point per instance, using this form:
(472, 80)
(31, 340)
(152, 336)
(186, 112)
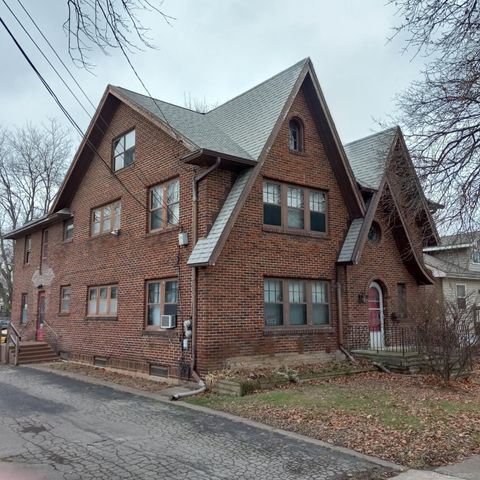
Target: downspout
(201, 383)
(341, 337)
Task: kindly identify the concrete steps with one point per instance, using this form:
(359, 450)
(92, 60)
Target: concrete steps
(35, 352)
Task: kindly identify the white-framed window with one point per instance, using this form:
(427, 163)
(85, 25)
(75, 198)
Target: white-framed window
(105, 219)
(65, 297)
(161, 299)
(68, 230)
(24, 309)
(461, 292)
(124, 150)
(164, 205)
(475, 256)
(102, 301)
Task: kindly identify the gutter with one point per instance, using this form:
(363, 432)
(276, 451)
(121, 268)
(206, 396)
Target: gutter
(196, 180)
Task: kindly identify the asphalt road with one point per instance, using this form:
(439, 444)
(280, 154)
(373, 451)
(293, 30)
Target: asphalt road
(53, 427)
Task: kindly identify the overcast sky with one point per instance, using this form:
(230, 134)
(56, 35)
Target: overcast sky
(217, 49)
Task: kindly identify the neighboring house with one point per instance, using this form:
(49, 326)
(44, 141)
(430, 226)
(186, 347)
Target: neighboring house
(250, 224)
(455, 263)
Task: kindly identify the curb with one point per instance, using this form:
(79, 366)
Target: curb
(229, 416)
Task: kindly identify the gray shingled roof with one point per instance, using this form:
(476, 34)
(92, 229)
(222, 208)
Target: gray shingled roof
(350, 240)
(367, 157)
(195, 126)
(204, 248)
(249, 118)
(239, 127)
(460, 238)
(449, 269)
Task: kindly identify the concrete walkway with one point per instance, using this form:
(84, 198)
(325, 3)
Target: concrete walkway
(466, 470)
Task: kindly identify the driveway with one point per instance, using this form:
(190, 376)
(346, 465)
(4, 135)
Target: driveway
(53, 427)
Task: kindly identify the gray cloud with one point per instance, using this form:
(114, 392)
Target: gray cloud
(216, 50)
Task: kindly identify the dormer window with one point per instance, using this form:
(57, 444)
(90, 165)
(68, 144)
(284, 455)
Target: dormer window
(296, 135)
(124, 150)
(476, 256)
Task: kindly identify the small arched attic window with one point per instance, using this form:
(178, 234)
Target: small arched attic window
(295, 141)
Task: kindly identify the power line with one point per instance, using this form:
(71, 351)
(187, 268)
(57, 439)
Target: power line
(64, 110)
(56, 54)
(46, 58)
(142, 181)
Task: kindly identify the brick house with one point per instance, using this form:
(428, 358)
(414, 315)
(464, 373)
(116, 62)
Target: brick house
(251, 223)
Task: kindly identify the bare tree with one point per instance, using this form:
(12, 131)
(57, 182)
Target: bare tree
(441, 112)
(198, 105)
(447, 334)
(108, 24)
(33, 161)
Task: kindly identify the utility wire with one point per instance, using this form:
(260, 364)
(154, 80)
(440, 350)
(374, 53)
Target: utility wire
(65, 111)
(142, 181)
(55, 53)
(46, 58)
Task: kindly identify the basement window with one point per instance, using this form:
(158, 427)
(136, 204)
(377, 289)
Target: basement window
(124, 151)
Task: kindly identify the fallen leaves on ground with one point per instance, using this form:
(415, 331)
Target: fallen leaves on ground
(412, 420)
(102, 374)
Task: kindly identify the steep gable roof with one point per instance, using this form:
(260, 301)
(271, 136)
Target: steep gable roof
(368, 157)
(273, 100)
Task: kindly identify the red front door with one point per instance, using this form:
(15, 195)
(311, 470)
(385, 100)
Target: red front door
(41, 315)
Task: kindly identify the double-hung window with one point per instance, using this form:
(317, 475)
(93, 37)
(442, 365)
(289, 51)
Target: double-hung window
(296, 302)
(65, 296)
(106, 219)
(461, 291)
(162, 299)
(24, 309)
(124, 150)
(68, 229)
(164, 205)
(27, 253)
(102, 301)
(294, 208)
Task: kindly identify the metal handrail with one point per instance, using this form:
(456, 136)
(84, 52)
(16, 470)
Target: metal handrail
(13, 339)
(50, 327)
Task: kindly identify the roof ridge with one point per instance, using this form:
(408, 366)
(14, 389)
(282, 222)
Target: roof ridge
(303, 61)
(372, 135)
(159, 100)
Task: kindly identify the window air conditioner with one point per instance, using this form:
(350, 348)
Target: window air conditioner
(167, 321)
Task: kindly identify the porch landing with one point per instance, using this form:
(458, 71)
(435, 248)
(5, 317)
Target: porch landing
(396, 361)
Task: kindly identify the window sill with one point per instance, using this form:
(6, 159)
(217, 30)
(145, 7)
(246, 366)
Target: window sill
(123, 169)
(306, 330)
(63, 314)
(160, 231)
(107, 319)
(297, 233)
(300, 153)
(70, 240)
(92, 238)
(170, 333)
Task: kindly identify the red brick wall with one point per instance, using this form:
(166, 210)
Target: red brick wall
(230, 298)
(231, 319)
(127, 260)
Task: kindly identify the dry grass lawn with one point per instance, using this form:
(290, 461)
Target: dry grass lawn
(413, 420)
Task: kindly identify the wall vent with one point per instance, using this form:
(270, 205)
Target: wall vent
(100, 361)
(64, 355)
(158, 370)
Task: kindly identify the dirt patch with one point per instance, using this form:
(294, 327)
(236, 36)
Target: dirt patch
(109, 376)
(414, 421)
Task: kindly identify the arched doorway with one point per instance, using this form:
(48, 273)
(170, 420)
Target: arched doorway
(375, 316)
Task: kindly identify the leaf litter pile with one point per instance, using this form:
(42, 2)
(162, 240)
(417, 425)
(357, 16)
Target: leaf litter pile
(411, 420)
